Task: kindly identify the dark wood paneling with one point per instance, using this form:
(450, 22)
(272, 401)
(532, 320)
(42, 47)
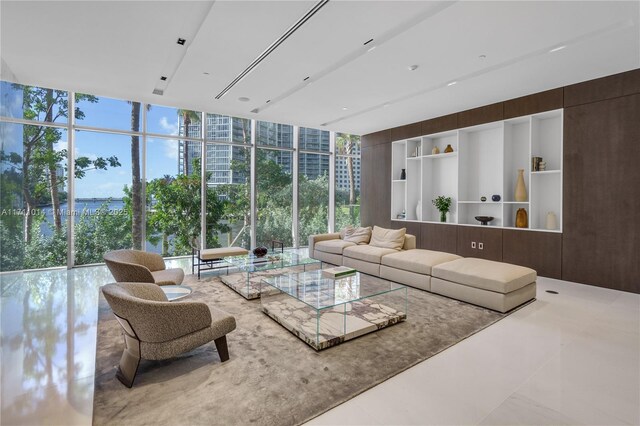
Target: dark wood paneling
(375, 186)
(600, 89)
(377, 138)
(413, 228)
(406, 131)
(439, 124)
(490, 238)
(601, 240)
(532, 104)
(541, 251)
(439, 237)
(485, 114)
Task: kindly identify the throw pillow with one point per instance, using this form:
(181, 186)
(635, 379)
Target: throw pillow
(388, 238)
(358, 235)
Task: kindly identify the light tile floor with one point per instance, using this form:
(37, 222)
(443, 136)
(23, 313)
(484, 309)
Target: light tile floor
(571, 358)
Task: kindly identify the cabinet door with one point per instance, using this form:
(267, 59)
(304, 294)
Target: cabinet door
(439, 237)
(541, 251)
(490, 239)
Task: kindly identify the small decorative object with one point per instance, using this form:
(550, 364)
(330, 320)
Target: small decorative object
(495, 197)
(535, 164)
(403, 174)
(522, 220)
(419, 210)
(435, 150)
(448, 149)
(542, 166)
(483, 199)
(552, 221)
(484, 220)
(443, 204)
(260, 251)
(338, 272)
(521, 189)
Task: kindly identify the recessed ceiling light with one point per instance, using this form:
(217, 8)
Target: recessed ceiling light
(368, 41)
(306, 78)
(206, 73)
(371, 48)
(163, 78)
(412, 67)
(482, 56)
(181, 41)
(555, 49)
(452, 83)
(268, 100)
(243, 99)
(344, 108)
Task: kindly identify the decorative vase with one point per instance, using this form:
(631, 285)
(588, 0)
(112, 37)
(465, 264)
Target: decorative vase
(483, 199)
(552, 221)
(448, 149)
(521, 189)
(260, 251)
(435, 150)
(495, 197)
(443, 216)
(403, 174)
(522, 220)
(419, 211)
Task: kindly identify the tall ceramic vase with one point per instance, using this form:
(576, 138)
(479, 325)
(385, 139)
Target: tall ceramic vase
(419, 210)
(521, 189)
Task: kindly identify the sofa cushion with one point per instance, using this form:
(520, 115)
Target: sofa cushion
(173, 276)
(485, 274)
(367, 253)
(333, 246)
(359, 235)
(388, 238)
(219, 253)
(419, 261)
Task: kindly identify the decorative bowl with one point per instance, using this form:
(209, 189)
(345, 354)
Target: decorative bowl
(260, 251)
(484, 220)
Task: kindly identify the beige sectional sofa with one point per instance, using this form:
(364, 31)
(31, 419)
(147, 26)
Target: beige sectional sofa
(494, 285)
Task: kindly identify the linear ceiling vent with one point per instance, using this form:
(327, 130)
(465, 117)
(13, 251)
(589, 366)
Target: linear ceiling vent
(255, 110)
(158, 92)
(274, 46)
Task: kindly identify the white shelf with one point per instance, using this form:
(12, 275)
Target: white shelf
(485, 161)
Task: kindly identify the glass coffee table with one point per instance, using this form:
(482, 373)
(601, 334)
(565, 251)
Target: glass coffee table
(325, 312)
(251, 269)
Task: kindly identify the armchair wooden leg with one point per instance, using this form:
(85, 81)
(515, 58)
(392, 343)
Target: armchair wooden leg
(129, 362)
(223, 349)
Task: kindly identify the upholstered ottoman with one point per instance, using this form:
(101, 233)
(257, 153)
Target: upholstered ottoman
(494, 285)
(413, 267)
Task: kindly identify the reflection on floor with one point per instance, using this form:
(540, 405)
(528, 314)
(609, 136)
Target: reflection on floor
(568, 358)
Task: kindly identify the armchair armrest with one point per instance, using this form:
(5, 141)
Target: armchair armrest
(313, 239)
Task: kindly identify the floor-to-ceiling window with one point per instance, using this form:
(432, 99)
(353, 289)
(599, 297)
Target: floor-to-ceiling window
(313, 183)
(347, 184)
(138, 176)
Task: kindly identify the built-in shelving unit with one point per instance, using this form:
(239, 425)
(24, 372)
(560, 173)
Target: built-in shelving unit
(484, 162)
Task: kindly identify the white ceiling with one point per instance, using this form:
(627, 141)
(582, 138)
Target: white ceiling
(121, 48)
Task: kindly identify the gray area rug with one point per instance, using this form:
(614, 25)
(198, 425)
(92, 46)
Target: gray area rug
(272, 378)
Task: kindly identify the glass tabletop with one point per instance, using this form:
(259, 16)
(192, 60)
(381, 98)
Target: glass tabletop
(321, 292)
(272, 260)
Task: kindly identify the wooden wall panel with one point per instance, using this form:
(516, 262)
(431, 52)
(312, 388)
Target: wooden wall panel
(439, 237)
(375, 186)
(406, 132)
(601, 240)
(413, 228)
(374, 139)
(541, 251)
(491, 238)
(482, 115)
(439, 124)
(600, 89)
(532, 104)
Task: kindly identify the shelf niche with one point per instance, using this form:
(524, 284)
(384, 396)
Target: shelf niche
(484, 162)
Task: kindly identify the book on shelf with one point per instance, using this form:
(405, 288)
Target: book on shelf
(338, 272)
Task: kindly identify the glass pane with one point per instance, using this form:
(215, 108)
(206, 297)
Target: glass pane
(107, 113)
(173, 121)
(224, 128)
(347, 144)
(107, 197)
(34, 103)
(228, 196)
(313, 196)
(347, 192)
(33, 191)
(275, 197)
(313, 139)
(173, 199)
(274, 134)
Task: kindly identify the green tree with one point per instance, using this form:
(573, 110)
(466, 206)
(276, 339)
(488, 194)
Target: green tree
(188, 117)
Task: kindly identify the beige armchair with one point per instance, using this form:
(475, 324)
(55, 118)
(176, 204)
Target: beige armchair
(156, 329)
(134, 266)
